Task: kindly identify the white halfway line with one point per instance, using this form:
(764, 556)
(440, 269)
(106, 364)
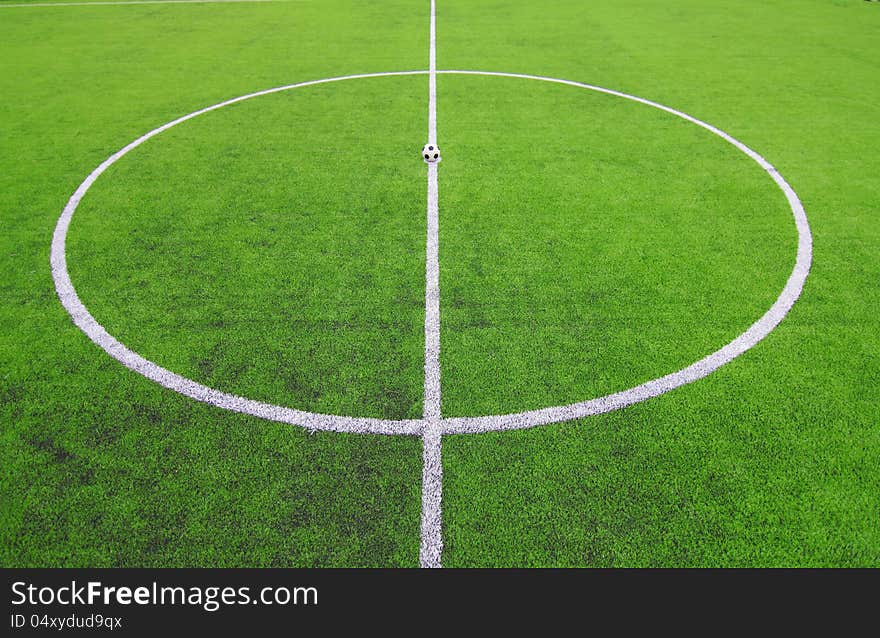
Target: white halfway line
(431, 546)
(88, 4)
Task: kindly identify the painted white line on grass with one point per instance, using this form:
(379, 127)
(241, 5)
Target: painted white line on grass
(432, 301)
(431, 546)
(432, 264)
(432, 77)
(432, 396)
(755, 333)
(99, 4)
(132, 360)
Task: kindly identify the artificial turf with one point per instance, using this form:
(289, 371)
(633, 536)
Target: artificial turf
(275, 249)
(100, 467)
(637, 244)
(281, 258)
(773, 460)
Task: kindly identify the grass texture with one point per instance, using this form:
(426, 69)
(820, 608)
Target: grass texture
(100, 466)
(275, 249)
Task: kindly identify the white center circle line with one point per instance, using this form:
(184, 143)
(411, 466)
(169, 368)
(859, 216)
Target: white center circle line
(454, 425)
(705, 366)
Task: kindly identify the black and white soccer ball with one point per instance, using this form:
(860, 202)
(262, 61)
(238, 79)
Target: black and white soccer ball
(431, 153)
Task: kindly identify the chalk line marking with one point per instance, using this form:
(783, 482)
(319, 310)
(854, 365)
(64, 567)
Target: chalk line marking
(431, 546)
(754, 334)
(432, 426)
(132, 360)
(432, 267)
(121, 2)
(313, 421)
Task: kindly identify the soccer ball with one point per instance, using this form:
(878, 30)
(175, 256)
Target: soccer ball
(431, 153)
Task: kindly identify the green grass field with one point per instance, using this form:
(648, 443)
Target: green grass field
(275, 249)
